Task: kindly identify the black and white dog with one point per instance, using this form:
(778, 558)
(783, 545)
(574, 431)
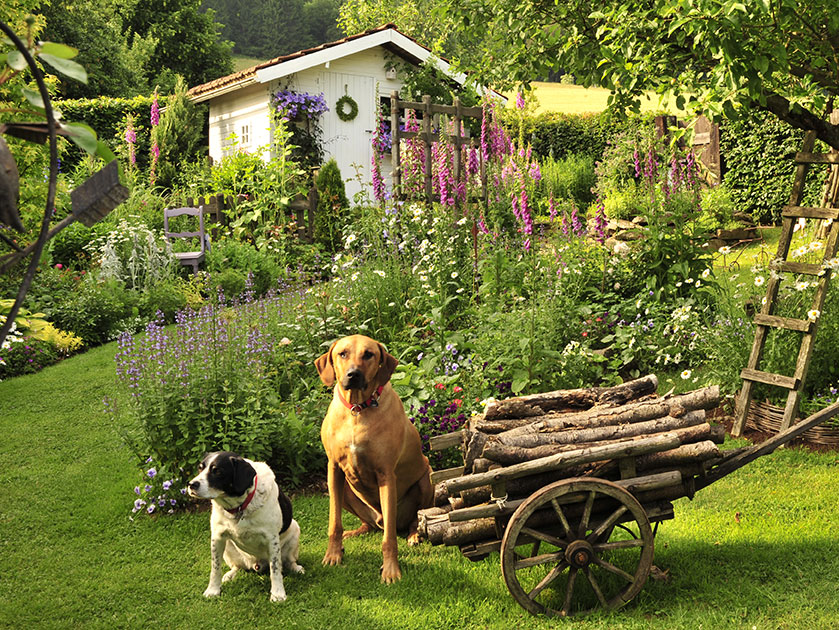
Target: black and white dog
(251, 523)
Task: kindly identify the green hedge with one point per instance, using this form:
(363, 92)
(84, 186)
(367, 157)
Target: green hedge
(557, 135)
(757, 155)
(107, 117)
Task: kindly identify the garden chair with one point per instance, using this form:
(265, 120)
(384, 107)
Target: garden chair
(193, 258)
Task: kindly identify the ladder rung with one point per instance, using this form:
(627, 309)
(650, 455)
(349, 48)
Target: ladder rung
(809, 269)
(787, 323)
(804, 212)
(817, 158)
(780, 380)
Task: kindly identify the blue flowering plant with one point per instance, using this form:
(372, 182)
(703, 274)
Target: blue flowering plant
(293, 104)
(157, 494)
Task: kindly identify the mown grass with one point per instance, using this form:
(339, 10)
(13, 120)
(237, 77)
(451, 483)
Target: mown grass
(575, 99)
(759, 549)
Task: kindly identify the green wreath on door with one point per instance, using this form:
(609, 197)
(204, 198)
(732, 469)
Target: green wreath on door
(346, 101)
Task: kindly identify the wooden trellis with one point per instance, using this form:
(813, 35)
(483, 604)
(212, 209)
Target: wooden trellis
(765, 319)
(429, 121)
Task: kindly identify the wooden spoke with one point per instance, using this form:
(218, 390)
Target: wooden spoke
(619, 544)
(550, 577)
(569, 592)
(556, 542)
(613, 569)
(537, 560)
(563, 521)
(609, 522)
(615, 560)
(596, 588)
(586, 514)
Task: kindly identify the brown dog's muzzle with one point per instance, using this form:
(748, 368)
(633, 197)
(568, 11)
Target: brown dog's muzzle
(354, 379)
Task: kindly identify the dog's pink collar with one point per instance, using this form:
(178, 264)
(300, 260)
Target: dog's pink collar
(237, 511)
(373, 401)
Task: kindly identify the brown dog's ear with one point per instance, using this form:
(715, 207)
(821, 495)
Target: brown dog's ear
(386, 367)
(325, 367)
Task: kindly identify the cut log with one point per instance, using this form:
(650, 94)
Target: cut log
(609, 432)
(677, 406)
(561, 461)
(517, 488)
(508, 455)
(442, 531)
(685, 454)
(637, 484)
(539, 404)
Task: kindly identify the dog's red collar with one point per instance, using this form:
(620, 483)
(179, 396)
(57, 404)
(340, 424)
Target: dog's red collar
(237, 511)
(373, 401)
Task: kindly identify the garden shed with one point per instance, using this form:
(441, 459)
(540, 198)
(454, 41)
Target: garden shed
(364, 67)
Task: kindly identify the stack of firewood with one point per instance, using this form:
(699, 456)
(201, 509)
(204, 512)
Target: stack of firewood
(652, 445)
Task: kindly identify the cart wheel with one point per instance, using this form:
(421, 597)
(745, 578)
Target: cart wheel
(576, 545)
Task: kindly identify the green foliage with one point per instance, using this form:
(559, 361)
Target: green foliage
(759, 168)
(696, 55)
(69, 247)
(107, 115)
(26, 356)
(569, 178)
(718, 207)
(557, 135)
(166, 297)
(234, 261)
(231, 282)
(97, 312)
(180, 135)
(134, 255)
(331, 216)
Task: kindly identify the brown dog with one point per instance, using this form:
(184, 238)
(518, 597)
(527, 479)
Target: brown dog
(376, 467)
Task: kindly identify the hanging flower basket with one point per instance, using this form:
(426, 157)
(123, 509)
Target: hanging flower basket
(346, 108)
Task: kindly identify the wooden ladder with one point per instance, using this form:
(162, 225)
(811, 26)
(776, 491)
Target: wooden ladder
(765, 319)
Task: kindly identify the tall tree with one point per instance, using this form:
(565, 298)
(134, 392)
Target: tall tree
(187, 40)
(97, 32)
(721, 55)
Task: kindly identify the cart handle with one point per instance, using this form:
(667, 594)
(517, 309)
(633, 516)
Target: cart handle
(751, 454)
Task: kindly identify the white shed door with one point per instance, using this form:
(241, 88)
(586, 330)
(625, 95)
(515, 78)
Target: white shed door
(349, 142)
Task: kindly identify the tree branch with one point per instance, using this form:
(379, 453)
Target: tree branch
(803, 119)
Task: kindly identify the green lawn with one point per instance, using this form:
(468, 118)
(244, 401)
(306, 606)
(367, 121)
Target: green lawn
(71, 558)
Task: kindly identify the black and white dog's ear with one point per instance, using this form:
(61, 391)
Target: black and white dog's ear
(243, 474)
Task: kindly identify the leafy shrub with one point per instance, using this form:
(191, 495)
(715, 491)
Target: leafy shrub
(569, 178)
(97, 312)
(135, 255)
(557, 135)
(758, 152)
(69, 247)
(231, 255)
(53, 286)
(332, 206)
(106, 115)
(622, 204)
(21, 355)
(718, 207)
(231, 282)
(167, 297)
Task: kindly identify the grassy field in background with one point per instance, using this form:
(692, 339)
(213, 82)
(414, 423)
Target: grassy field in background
(759, 549)
(243, 63)
(574, 99)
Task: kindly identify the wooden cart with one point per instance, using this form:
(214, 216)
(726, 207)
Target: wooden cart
(575, 528)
